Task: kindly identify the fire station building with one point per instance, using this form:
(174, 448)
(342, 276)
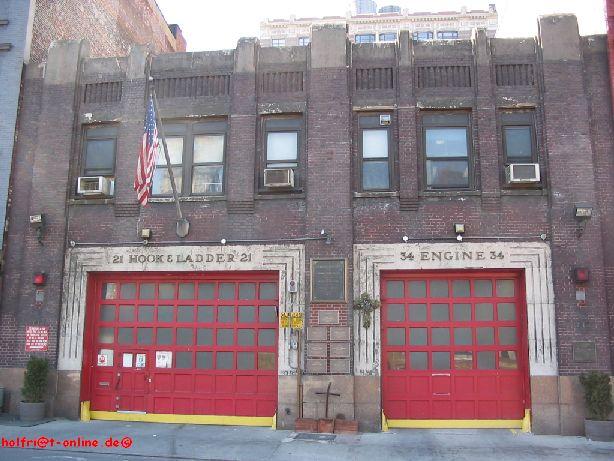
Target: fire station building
(467, 185)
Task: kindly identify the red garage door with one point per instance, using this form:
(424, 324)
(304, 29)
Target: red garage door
(183, 344)
(453, 346)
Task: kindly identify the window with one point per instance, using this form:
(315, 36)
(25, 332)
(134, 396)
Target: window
(161, 178)
(422, 36)
(446, 146)
(518, 133)
(197, 153)
(388, 37)
(374, 145)
(303, 41)
(447, 34)
(365, 38)
(99, 150)
(278, 42)
(282, 145)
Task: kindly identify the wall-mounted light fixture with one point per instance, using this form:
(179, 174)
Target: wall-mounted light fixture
(146, 234)
(329, 238)
(582, 213)
(39, 279)
(37, 222)
(459, 230)
(580, 274)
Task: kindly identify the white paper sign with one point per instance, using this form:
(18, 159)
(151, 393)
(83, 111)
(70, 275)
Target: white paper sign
(105, 358)
(164, 359)
(127, 360)
(140, 360)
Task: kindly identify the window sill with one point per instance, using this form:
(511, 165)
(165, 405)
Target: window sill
(200, 198)
(449, 193)
(382, 194)
(535, 191)
(280, 195)
(91, 201)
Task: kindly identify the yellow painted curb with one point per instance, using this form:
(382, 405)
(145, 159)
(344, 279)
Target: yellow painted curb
(274, 423)
(85, 411)
(526, 422)
(384, 423)
(185, 419)
(456, 423)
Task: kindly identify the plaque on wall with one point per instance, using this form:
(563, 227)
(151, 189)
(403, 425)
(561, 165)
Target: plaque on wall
(584, 351)
(328, 280)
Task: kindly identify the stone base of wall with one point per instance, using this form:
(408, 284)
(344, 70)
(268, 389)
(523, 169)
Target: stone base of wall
(558, 405)
(287, 409)
(12, 381)
(557, 401)
(63, 391)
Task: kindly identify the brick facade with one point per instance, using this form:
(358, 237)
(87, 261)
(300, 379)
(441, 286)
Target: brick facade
(111, 26)
(567, 89)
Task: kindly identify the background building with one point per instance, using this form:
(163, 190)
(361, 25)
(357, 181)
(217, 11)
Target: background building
(111, 26)
(308, 182)
(27, 28)
(384, 26)
(365, 6)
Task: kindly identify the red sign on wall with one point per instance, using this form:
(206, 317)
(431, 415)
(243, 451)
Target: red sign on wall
(37, 339)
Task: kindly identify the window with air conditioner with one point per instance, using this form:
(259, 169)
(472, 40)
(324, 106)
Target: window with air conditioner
(520, 147)
(97, 173)
(281, 160)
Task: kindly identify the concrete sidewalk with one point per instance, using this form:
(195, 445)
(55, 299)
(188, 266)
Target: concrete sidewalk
(170, 441)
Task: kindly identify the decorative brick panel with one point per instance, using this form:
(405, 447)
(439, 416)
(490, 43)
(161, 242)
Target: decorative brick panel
(240, 207)
(376, 78)
(443, 76)
(127, 210)
(102, 92)
(281, 82)
(193, 87)
(515, 74)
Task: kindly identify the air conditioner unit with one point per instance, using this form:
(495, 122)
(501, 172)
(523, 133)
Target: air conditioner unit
(95, 186)
(279, 177)
(522, 173)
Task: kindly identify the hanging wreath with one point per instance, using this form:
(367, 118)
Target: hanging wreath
(366, 305)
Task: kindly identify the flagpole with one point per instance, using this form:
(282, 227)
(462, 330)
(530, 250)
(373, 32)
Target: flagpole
(183, 225)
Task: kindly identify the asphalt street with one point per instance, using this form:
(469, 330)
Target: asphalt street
(74, 441)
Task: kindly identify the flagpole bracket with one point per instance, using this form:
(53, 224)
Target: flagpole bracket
(183, 227)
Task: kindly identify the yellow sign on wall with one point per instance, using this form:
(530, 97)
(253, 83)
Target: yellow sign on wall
(284, 320)
(297, 320)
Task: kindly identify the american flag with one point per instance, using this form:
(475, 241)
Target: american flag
(147, 156)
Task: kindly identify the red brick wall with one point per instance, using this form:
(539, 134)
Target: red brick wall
(610, 19)
(575, 147)
(110, 26)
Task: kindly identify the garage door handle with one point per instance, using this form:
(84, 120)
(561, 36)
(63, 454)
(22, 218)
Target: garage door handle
(441, 393)
(440, 374)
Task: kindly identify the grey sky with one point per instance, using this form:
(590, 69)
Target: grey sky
(218, 24)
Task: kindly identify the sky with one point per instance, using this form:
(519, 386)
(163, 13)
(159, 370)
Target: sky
(218, 24)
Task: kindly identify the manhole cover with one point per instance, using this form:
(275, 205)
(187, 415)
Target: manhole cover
(316, 437)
